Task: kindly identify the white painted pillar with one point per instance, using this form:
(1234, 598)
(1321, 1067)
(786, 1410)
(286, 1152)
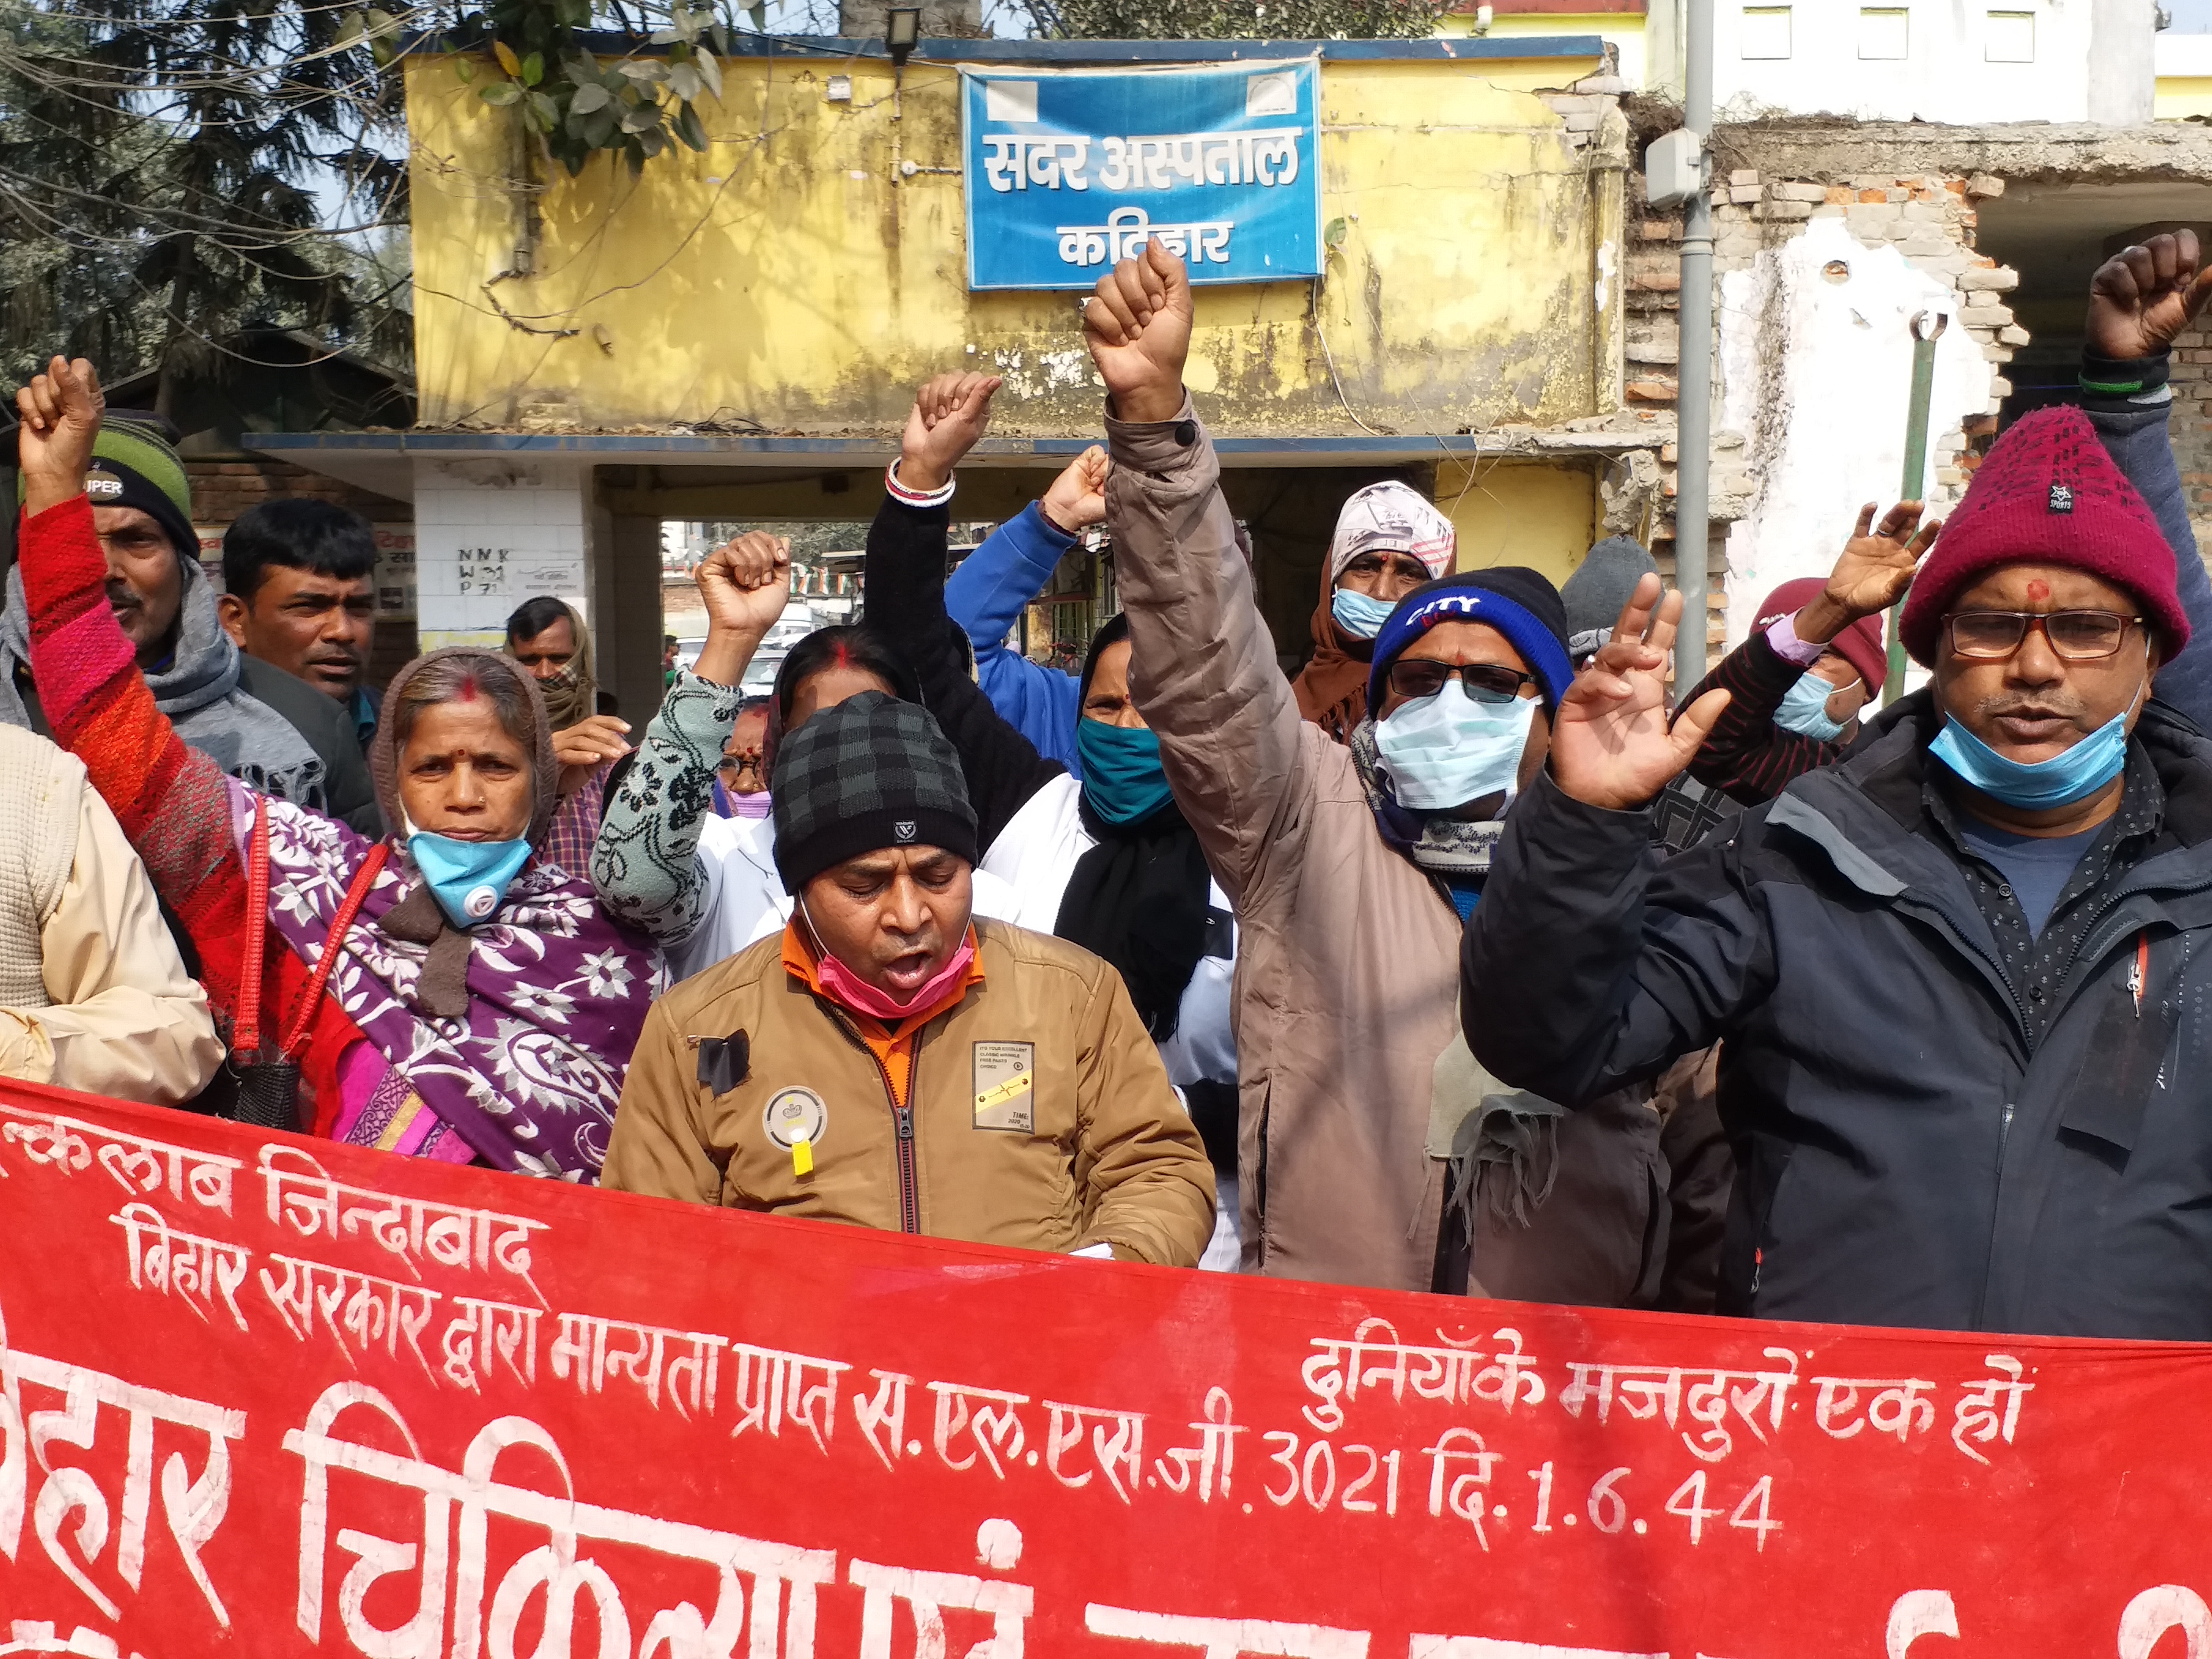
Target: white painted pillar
(2123, 61)
(490, 534)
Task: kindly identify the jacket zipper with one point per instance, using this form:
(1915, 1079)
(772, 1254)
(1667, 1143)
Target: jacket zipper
(1997, 1210)
(909, 1177)
(1965, 945)
(2103, 910)
(909, 1180)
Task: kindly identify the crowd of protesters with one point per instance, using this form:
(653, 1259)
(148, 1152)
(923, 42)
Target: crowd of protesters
(1469, 960)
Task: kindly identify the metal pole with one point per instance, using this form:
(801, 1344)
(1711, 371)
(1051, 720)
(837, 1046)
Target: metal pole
(1913, 486)
(1693, 404)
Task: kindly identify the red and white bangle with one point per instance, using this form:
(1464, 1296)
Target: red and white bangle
(900, 494)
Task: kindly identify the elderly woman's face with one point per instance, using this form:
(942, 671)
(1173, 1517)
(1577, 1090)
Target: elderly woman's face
(461, 774)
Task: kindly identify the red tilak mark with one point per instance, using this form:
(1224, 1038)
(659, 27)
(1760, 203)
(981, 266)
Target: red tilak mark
(2038, 591)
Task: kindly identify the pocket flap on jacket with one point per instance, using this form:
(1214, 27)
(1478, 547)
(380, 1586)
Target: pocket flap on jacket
(2124, 1065)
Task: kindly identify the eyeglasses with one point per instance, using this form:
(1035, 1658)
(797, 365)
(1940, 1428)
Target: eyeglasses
(2074, 635)
(1485, 681)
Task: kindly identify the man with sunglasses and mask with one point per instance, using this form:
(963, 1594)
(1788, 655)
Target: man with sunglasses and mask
(1958, 973)
(1372, 1150)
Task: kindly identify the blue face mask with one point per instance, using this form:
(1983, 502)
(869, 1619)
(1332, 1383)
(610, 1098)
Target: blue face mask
(1357, 614)
(467, 878)
(1442, 753)
(2070, 775)
(1123, 778)
(1804, 710)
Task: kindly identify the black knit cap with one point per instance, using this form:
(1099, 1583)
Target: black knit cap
(1530, 589)
(869, 772)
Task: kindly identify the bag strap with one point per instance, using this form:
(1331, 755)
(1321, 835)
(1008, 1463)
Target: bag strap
(295, 1039)
(246, 1031)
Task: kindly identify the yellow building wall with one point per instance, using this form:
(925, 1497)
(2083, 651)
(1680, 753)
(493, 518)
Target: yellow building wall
(780, 282)
(1538, 514)
(2178, 97)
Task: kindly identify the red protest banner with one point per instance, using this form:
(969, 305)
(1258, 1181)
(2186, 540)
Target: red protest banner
(265, 1396)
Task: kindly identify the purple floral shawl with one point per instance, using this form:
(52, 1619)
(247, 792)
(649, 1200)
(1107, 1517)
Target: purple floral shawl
(557, 994)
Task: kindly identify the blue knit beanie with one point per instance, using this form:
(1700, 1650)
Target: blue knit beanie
(1519, 603)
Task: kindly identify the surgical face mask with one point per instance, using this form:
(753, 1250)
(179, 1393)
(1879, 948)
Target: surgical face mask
(1441, 752)
(2070, 775)
(1359, 615)
(467, 878)
(1123, 778)
(1804, 710)
(849, 990)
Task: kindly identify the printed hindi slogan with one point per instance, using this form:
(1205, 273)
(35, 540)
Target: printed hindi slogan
(1069, 171)
(265, 1396)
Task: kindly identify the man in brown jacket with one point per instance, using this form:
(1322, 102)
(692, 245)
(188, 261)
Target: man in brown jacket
(1373, 1151)
(888, 1061)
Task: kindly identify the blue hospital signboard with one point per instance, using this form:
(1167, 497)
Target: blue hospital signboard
(1069, 172)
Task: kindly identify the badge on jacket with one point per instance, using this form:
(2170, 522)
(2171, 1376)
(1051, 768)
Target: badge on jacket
(794, 1119)
(1006, 1076)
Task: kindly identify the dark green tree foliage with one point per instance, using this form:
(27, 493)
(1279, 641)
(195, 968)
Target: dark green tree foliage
(169, 172)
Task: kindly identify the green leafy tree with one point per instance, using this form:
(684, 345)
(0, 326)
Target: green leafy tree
(581, 104)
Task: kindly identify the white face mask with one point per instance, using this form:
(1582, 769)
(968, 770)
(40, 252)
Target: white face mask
(1441, 752)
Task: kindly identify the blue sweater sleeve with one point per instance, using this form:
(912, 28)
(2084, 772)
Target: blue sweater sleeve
(2134, 432)
(985, 597)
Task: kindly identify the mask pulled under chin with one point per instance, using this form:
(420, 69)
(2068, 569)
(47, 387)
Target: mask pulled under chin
(1358, 614)
(1440, 752)
(467, 878)
(848, 989)
(2070, 775)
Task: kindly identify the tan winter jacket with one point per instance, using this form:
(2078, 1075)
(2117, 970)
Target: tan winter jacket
(1354, 1078)
(93, 994)
(1040, 1116)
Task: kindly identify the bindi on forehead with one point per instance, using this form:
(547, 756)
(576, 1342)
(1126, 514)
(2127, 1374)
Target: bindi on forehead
(2038, 591)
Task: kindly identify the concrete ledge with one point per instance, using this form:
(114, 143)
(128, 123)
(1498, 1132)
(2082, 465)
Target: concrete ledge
(1574, 48)
(1831, 149)
(384, 461)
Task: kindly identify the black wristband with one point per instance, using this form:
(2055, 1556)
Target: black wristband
(2124, 377)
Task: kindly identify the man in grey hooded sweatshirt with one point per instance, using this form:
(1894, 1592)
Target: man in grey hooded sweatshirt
(256, 722)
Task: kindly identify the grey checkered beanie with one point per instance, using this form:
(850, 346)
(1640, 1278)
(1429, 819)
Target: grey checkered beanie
(868, 772)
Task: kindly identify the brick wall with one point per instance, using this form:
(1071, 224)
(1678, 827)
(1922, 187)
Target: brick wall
(223, 489)
(2191, 428)
(1930, 219)
(1651, 365)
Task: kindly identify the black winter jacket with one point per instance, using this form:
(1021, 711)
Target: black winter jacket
(1904, 1159)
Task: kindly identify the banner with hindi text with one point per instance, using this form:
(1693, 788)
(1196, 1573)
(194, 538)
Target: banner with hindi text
(1070, 171)
(264, 1395)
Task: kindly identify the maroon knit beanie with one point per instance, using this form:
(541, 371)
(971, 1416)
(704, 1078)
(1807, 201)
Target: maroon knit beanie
(2048, 493)
(1859, 645)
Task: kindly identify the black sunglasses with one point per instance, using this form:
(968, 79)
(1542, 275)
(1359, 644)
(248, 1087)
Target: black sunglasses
(1485, 681)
